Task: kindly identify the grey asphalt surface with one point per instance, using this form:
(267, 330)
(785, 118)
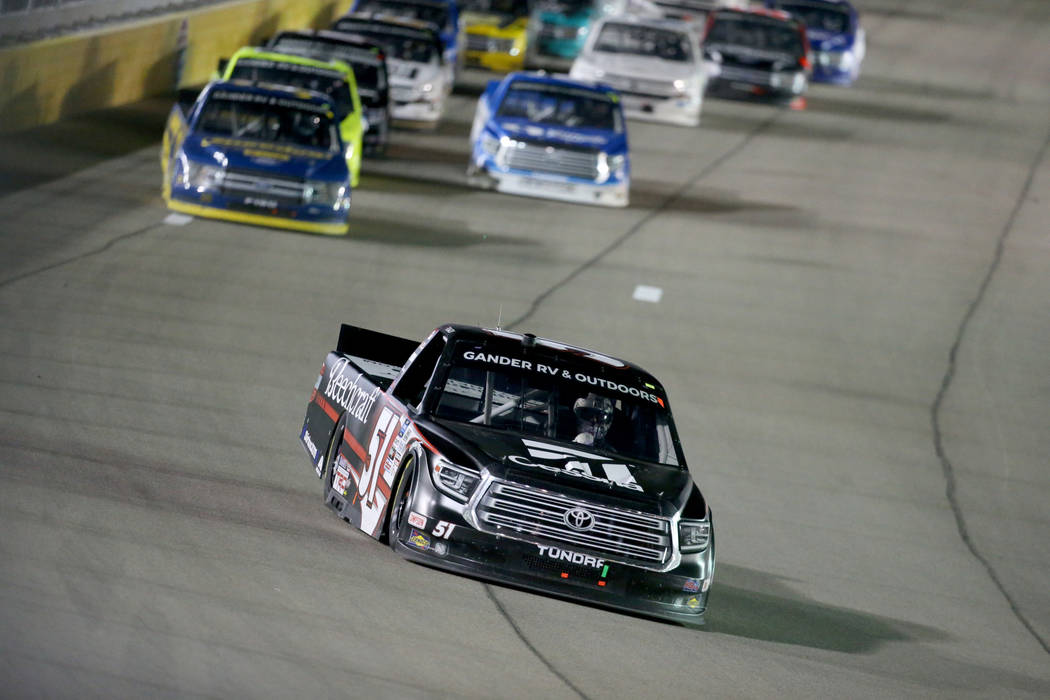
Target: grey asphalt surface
(853, 330)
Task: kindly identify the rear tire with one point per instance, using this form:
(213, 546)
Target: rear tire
(328, 473)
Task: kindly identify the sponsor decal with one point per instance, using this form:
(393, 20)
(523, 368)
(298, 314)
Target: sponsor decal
(310, 446)
(692, 585)
(257, 98)
(275, 151)
(418, 540)
(355, 399)
(341, 477)
(261, 203)
(417, 520)
(288, 66)
(615, 473)
(541, 368)
(401, 440)
(571, 557)
(693, 603)
(575, 137)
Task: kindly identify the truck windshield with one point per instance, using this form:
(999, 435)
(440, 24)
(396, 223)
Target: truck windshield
(230, 114)
(566, 7)
(327, 83)
(819, 16)
(561, 106)
(506, 8)
(561, 397)
(755, 33)
(426, 12)
(402, 45)
(370, 79)
(667, 44)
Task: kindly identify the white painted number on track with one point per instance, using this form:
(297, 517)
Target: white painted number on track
(177, 219)
(644, 292)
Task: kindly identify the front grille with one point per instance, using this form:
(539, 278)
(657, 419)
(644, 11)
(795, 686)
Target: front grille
(557, 160)
(538, 516)
(480, 42)
(746, 75)
(641, 86)
(247, 183)
(557, 31)
(403, 95)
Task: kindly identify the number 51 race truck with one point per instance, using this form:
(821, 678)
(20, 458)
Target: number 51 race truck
(516, 459)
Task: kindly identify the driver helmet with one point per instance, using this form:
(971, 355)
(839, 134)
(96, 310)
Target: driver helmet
(594, 415)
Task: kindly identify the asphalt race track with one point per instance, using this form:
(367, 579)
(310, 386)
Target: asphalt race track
(854, 329)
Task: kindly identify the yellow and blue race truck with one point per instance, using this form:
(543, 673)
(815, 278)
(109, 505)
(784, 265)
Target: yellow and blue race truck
(497, 33)
(269, 155)
(332, 78)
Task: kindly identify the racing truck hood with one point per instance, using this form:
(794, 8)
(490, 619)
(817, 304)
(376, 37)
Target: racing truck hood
(608, 141)
(644, 67)
(823, 40)
(568, 467)
(249, 154)
(407, 74)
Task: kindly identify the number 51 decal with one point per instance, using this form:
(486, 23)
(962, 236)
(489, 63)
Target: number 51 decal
(373, 499)
(443, 529)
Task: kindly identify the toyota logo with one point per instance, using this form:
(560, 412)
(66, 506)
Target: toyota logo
(578, 519)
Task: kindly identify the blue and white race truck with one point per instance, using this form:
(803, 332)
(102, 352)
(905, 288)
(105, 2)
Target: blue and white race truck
(544, 136)
(835, 36)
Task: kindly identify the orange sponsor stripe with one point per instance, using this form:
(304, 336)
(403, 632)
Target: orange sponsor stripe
(327, 408)
(354, 445)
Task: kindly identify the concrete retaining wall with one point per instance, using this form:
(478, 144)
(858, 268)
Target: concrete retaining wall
(45, 81)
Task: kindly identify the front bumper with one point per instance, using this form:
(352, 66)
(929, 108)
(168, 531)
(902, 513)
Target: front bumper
(422, 111)
(500, 62)
(535, 184)
(679, 595)
(681, 111)
(550, 53)
(741, 89)
(833, 75)
(216, 206)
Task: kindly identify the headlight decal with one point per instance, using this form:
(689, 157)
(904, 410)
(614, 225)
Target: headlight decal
(694, 535)
(457, 481)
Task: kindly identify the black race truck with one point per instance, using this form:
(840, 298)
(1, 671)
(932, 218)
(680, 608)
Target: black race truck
(516, 459)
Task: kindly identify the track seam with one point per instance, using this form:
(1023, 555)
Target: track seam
(935, 410)
(653, 213)
(77, 258)
(517, 630)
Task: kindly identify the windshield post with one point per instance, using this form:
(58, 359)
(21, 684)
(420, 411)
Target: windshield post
(488, 399)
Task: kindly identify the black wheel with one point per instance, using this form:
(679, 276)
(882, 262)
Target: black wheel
(328, 471)
(399, 506)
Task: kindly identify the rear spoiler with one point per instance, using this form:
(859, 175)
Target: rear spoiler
(380, 355)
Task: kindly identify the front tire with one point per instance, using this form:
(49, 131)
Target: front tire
(402, 501)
